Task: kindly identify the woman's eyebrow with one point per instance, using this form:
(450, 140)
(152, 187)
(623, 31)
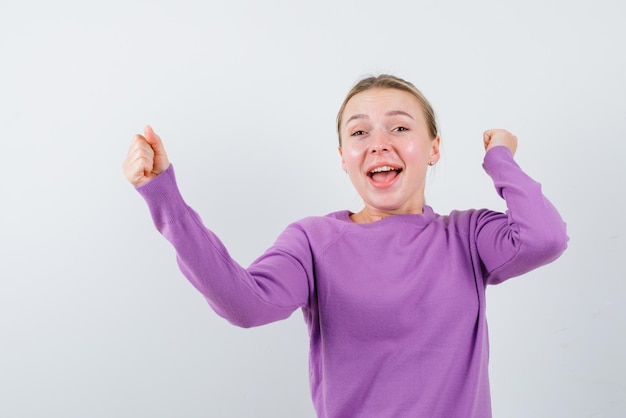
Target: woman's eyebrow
(398, 112)
(390, 113)
(357, 116)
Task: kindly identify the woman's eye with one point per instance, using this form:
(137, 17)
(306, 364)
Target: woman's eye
(400, 129)
(358, 133)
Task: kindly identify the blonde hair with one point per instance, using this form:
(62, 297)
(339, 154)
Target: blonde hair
(387, 81)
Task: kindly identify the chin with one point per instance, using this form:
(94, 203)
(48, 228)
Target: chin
(393, 203)
(385, 205)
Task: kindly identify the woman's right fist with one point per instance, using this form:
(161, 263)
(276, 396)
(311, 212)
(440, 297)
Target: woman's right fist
(146, 158)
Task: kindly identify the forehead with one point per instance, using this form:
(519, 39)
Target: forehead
(379, 100)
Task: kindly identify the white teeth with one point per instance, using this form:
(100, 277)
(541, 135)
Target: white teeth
(383, 168)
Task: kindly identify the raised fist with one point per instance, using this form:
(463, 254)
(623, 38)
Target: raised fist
(495, 137)
(146, 158)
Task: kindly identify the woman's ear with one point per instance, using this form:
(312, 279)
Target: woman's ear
(343, 162)
(434, 151)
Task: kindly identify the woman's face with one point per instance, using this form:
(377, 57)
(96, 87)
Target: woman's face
(386, 149)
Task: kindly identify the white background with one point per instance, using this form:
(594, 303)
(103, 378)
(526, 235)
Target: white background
(96, 320)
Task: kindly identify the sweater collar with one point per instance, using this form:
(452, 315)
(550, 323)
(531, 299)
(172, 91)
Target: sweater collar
(423, 219)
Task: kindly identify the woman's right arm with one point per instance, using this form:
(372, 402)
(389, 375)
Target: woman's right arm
(276, 285)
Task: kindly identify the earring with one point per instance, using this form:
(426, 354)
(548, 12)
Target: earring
(432, 163)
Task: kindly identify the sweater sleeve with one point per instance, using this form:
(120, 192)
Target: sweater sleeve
(271, 289)
(530, 234)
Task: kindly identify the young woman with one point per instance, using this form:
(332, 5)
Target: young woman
(393, 295)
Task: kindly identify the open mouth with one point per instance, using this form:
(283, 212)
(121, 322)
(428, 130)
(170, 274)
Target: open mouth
(384, 174)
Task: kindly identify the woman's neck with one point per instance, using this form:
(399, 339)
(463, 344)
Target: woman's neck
(369, 215)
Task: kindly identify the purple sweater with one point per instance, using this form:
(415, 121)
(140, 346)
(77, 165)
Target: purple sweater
(396, 308)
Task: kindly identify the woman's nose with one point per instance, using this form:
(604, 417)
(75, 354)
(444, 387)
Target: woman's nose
(378, 148)
(379, 144)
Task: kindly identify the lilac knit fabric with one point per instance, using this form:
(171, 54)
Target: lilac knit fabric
(396, 308)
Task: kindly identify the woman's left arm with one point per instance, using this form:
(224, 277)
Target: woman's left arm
(531, 233)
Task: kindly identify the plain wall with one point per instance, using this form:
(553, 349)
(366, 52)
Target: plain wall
(95, 318)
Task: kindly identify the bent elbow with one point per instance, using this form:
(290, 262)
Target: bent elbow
(247, 317)
(551, 245)
(245, 322)
(238, 318)
(558, 241)
(561, 245)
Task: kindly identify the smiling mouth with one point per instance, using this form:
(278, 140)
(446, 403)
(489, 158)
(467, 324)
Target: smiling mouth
(384, 173)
